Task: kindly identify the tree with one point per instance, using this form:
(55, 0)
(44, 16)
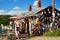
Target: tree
(4, 19)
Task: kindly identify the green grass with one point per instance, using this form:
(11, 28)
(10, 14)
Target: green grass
(53, 33)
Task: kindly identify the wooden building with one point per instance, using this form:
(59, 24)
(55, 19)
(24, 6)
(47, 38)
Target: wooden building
(44, 13)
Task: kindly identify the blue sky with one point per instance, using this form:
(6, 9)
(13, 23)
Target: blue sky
(17, 7)
(23, 4)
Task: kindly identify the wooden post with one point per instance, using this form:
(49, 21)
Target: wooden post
(53, 14)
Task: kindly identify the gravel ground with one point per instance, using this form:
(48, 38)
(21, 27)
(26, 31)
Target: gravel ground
(4, 38)
(45, 38)
(35, 38)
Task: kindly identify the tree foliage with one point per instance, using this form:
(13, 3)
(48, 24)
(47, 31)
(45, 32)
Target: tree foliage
(4, 19)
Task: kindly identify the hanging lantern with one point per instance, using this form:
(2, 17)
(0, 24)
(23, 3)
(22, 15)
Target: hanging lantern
(49, 12)
(55, 11)
(44, 12)
(48, 9)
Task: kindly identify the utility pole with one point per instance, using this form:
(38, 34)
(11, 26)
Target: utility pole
(53, 14)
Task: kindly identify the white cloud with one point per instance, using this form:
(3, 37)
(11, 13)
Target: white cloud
(35, 3)
(16, 7)
(15, 11)
(2, 12)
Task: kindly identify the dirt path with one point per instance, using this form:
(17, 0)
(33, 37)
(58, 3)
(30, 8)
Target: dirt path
(45, 38)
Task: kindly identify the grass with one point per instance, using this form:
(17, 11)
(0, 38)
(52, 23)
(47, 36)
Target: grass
(53, 33)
